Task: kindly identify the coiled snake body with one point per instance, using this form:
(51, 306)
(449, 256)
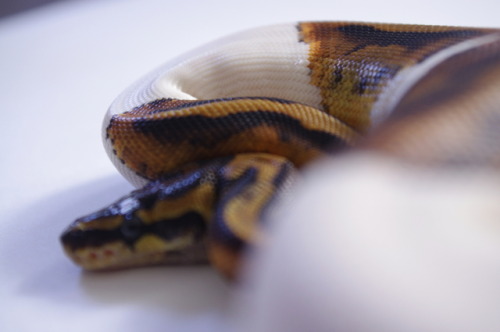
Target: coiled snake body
(214, 137)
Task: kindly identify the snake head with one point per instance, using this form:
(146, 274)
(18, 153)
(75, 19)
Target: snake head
(147, 227)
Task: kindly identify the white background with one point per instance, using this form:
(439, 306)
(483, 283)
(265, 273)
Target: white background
(60, 68)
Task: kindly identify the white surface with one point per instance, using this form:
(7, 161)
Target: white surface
(370, 246)
(61, 66)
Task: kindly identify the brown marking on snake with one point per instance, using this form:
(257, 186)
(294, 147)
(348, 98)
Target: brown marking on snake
(352, 63)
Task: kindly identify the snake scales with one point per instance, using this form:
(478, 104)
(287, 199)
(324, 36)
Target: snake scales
(214, 137)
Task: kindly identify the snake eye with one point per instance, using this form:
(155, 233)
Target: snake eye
(132, 228)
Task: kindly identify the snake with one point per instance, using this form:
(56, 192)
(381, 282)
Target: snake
(214, 140)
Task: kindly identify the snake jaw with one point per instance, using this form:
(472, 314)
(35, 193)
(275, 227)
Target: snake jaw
(118, 252)
(118, 255)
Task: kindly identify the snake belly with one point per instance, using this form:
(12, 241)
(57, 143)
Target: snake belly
(213, 138)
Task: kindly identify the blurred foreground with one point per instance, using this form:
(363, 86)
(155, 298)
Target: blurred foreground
(371, 246)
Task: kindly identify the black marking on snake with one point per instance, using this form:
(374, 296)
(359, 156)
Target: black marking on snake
(109, 211)
(79, 239)
(142, 176)
(166, 188)
(337, 76)
(370, 82)
(231, 188)
(365, 35)
(363, 84)
(300, 32)
(207, 131)
(171, 228)
(279, 181)
(147, 198)
(108, 127)
(283, 175)
(132, 229)
(142, 168)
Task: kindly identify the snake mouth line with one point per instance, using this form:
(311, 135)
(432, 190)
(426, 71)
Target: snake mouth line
(117, 256)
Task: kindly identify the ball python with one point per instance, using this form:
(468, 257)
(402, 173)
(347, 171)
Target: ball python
(215, 138)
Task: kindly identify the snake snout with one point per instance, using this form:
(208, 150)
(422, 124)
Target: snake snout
(133, 231)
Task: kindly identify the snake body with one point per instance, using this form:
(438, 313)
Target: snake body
(213, 138)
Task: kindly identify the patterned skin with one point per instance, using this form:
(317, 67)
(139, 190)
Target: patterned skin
(215, 166)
